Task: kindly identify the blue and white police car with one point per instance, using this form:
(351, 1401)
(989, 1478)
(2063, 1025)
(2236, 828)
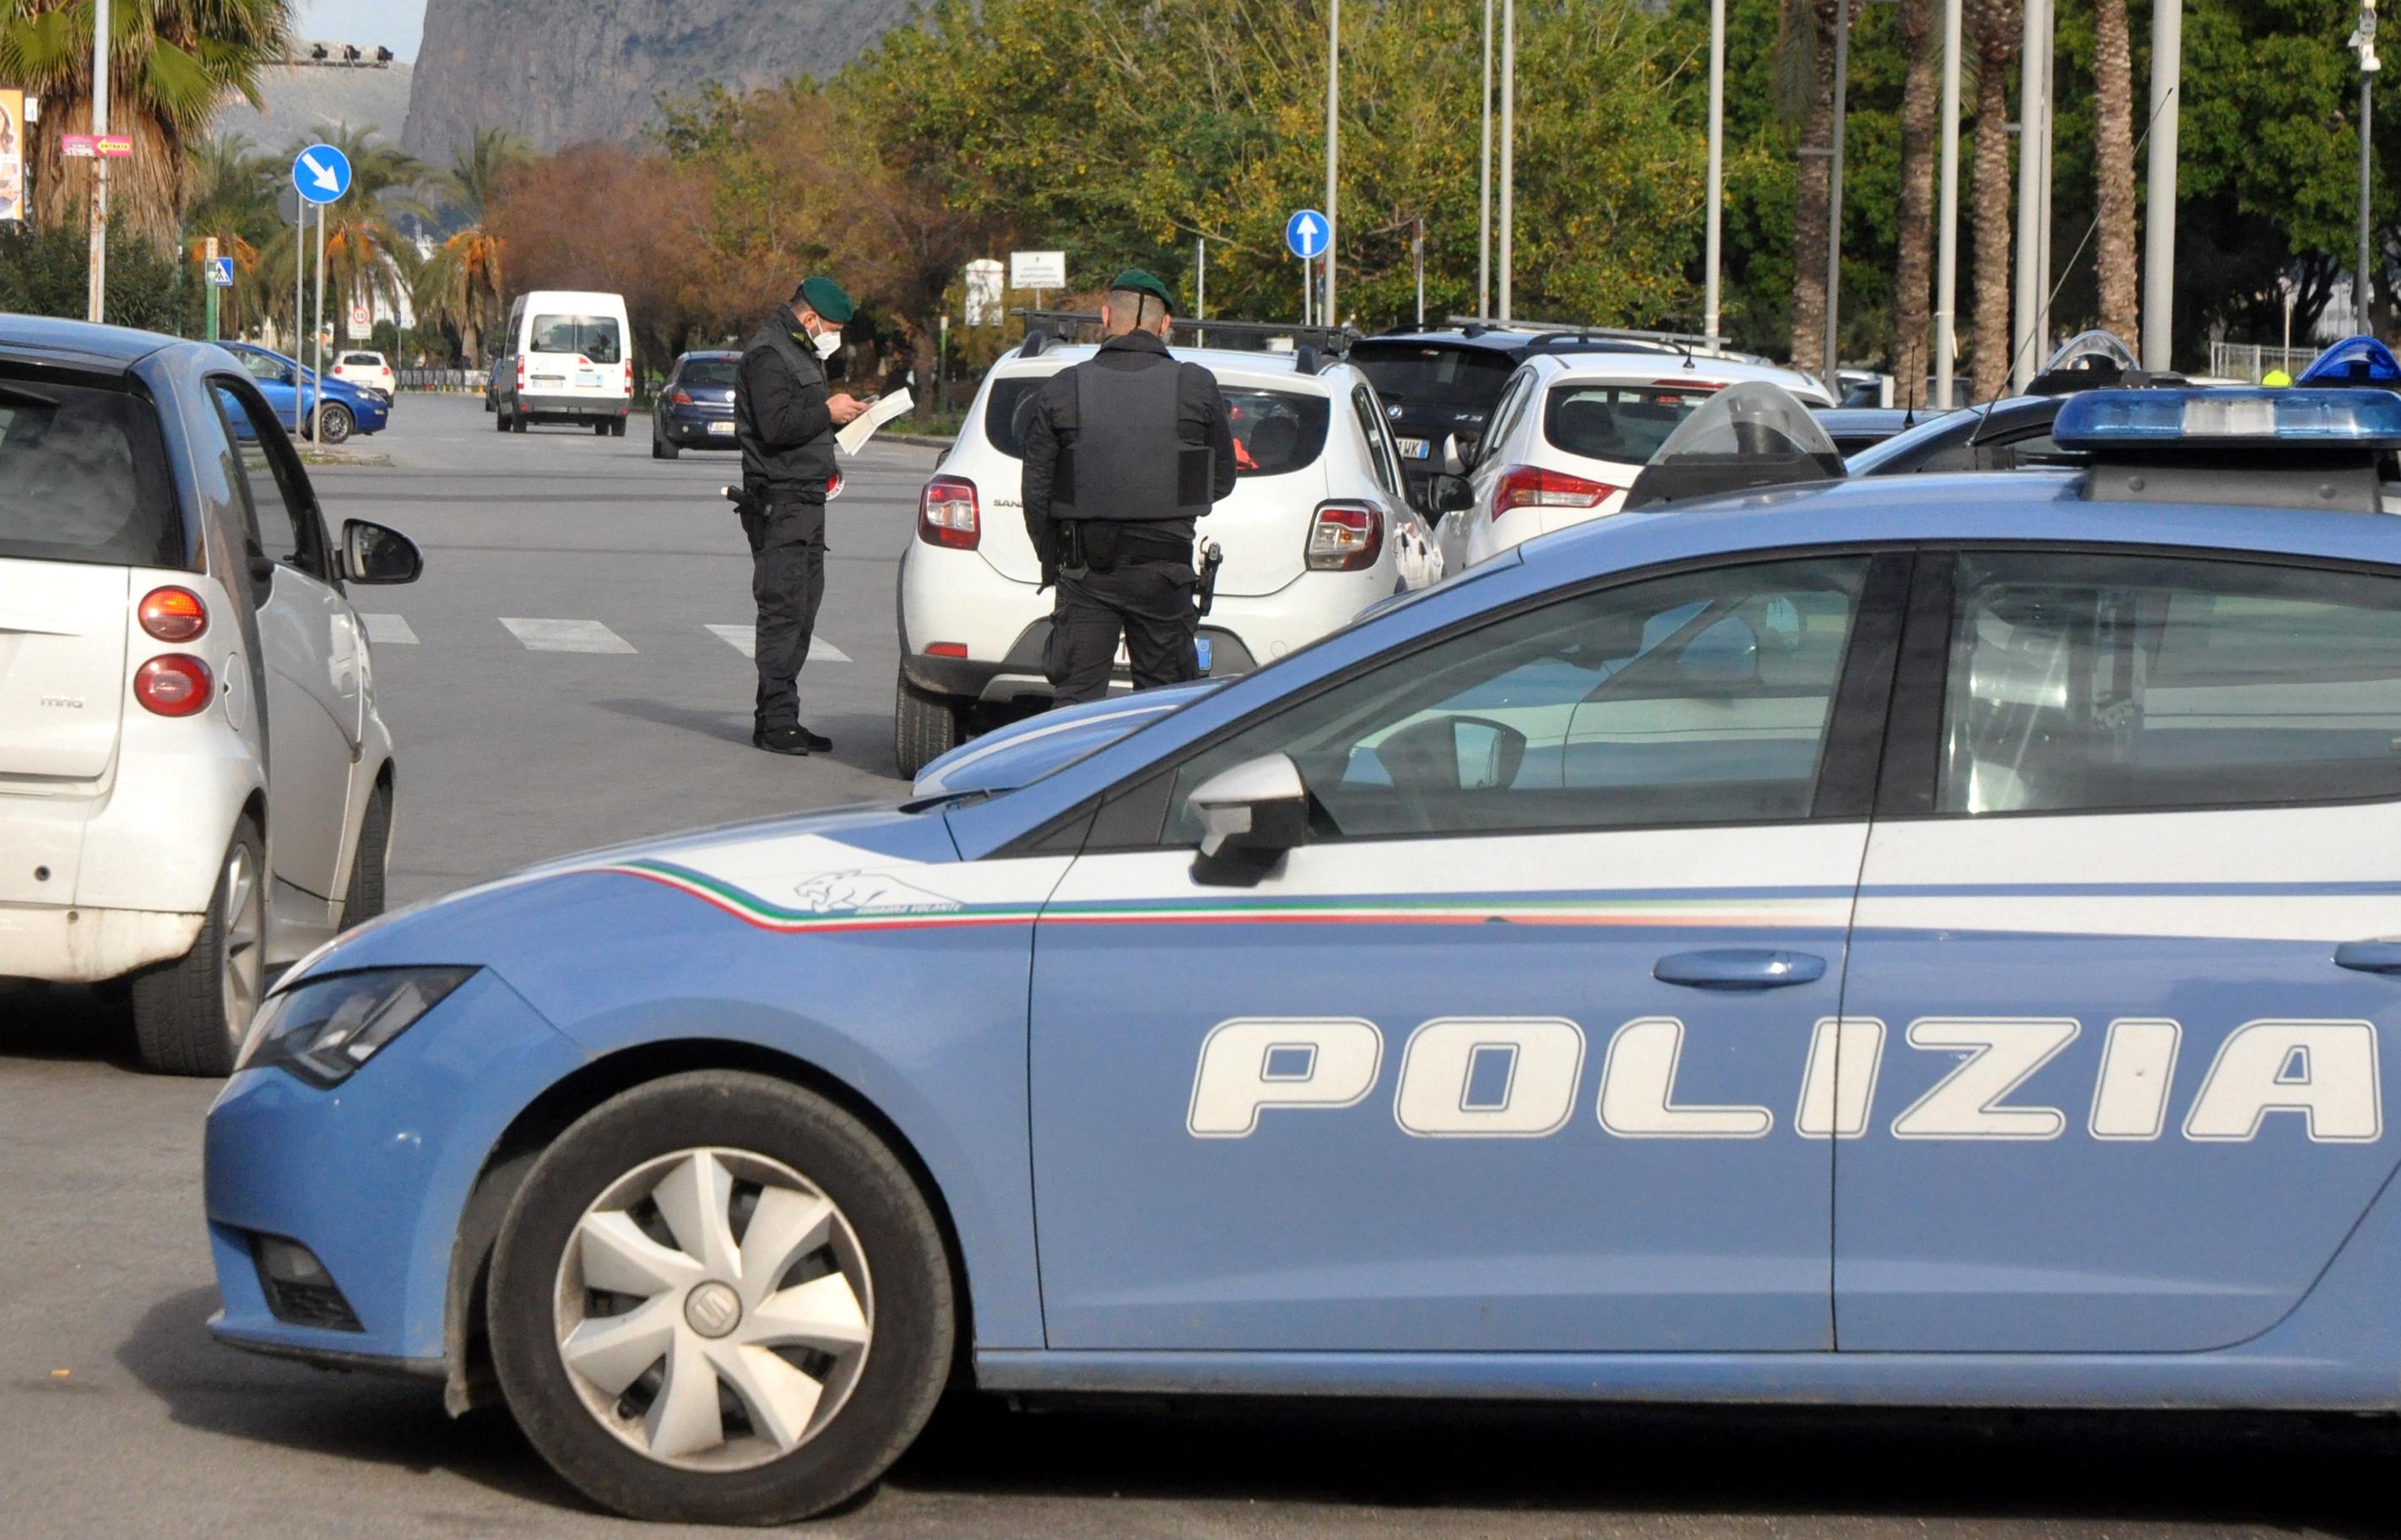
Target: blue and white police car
(1917, 943)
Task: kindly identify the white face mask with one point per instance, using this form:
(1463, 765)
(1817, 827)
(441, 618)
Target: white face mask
(827, 343)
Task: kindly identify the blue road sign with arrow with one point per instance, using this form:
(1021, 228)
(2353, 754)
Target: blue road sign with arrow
(320, 174)
(221, 271)
(1306, 233)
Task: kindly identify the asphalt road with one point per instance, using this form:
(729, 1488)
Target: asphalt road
(118, 1416)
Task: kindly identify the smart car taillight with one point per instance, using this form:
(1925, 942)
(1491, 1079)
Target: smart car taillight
(176, 685)
(946, 514)
(1532, 486)
(174, 614)
(1345, 537)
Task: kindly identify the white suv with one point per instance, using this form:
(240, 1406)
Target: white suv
(1569, 435)
(1318, 528)
(195, 784)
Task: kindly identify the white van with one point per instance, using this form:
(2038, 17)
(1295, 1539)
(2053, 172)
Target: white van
(569, 359)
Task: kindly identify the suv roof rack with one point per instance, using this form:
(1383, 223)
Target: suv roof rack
(1311, 345)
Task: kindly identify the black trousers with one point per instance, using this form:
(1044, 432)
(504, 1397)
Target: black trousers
(1148, 602)
(787, 580)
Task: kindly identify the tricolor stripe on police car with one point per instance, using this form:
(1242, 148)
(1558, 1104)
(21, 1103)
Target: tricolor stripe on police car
(1519, 1078)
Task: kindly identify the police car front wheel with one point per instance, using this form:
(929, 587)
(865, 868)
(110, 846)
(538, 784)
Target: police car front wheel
(719, 1299)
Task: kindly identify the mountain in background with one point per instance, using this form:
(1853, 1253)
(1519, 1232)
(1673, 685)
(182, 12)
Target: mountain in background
(560, 71)
(304, 99)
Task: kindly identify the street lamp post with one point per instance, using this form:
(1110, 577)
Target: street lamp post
(2363, 42)
(1946, 224)
(1508, 151)
(1484, 187)
(1834, 200)
(1717, 169)
(2159, 214)
(96, 301)
(1332, 106)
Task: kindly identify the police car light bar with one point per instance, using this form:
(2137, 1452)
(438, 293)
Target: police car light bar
(2297, 418)
(2354, 360)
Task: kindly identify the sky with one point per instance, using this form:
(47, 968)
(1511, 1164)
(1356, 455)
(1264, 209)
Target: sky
(395, 24)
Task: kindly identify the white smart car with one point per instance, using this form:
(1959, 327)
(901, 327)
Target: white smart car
(1569, 435)
(195, 784)
(1319, 527)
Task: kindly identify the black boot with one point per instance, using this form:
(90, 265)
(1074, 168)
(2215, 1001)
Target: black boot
(819, 743)
(783, 740)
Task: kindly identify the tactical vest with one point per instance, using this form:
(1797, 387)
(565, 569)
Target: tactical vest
(1130, 462)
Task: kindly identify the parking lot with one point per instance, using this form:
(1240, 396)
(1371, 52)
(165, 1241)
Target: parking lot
(571, 673)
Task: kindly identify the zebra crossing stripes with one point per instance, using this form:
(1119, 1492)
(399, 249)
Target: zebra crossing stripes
(745, 640)
(566, 635)
(388, 630)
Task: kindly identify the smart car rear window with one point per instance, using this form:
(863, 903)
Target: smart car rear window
(358, 359)
(83, 477)
(593, 336)
(1626, 424)
(1275, 430)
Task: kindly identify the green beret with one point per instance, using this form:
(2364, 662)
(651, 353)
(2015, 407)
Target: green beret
(1138, 282)
(825, 297)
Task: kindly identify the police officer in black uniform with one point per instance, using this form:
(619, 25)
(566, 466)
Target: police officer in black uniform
(784, 421)
(1122, 454)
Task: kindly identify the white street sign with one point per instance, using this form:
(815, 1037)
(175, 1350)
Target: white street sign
(1037, 269)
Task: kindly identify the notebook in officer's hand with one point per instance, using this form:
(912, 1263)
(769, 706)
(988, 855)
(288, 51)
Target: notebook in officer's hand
(862, 427)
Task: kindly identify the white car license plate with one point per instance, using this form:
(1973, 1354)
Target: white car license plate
(1200, 647)
(1413, 449)
(725, 428)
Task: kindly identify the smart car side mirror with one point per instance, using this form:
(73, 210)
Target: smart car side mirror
(1249, 814)
(375, 555)
(1451, 494)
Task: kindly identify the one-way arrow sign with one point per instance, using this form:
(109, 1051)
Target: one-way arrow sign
(1304, 233)
(320, 174)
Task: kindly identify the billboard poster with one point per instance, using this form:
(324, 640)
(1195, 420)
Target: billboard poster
(12, 155)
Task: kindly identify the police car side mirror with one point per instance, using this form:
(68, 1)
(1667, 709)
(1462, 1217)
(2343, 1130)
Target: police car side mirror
(1451, 494)
(1249, 814)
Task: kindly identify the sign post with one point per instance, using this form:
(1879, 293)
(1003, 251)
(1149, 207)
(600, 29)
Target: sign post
(1037, 271)
(103, 61)
(209, 266)
(321, 174)
(1305, 235)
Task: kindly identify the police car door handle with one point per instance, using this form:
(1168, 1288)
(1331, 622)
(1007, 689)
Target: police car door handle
(2369, 956)
(1740, 968)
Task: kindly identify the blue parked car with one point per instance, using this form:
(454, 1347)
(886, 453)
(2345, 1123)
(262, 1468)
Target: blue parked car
(694, 408)
(1921, 941)
(349, 408)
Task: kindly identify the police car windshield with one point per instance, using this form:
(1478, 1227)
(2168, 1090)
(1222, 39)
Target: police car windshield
(1419, 374)
(1275, 430)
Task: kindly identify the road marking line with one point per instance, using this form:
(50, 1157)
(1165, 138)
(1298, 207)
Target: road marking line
(566, 635)
(392, 630)
(745, 640)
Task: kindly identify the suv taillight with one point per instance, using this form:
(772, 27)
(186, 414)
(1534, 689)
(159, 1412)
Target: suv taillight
(1345, 537)
(946, 514)
(1532, 486)
(174, 614)
(174, 686)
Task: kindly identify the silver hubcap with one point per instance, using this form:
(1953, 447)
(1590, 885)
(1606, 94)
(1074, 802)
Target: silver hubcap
(713, 1309)
(242, 923)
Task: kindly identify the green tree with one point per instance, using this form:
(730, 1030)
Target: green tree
(173, 64)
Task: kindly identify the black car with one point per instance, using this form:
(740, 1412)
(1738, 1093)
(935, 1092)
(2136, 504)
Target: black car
(1441, 384)
(1856, 428)
(694, 408)
(2002, 436)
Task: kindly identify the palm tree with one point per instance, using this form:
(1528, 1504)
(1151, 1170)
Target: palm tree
(171, 64)
(2113, 165)
(1996, 24)
(461, 282)
(1806, 72)
(1915, 264)
(232, 198)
